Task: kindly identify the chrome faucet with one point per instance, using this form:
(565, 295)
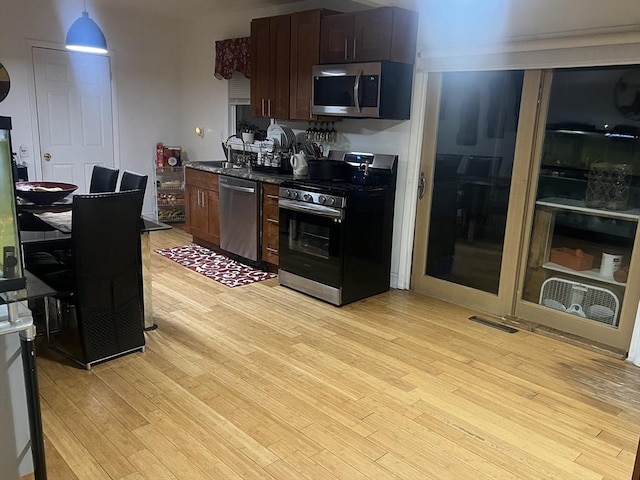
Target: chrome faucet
(245, 159)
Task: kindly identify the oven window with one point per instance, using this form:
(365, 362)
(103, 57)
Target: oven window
(311, 246)
(309, 238)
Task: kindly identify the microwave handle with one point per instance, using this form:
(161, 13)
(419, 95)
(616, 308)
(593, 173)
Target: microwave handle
(356, 90)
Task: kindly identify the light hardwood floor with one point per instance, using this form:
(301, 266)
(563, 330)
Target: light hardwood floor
(261, 382)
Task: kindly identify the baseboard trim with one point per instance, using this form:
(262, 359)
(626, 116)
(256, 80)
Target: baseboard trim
(565, 337)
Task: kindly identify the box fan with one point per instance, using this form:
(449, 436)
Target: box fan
(587, 301)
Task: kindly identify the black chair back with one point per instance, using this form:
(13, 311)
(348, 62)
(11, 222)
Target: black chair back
(133, 181)
(103, 179)
(107, 266)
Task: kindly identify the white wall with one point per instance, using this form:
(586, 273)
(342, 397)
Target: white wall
(473, 23)
(164, 84)
(144, 50)
(203, 98)
(470, 24)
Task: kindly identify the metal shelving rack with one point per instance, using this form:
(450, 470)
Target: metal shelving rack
(170, 194)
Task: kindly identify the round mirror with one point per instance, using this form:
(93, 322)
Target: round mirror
(5, 83)
(627, 95)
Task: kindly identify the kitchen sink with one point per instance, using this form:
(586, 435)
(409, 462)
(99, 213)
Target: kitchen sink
(219, 164)
(214, 163)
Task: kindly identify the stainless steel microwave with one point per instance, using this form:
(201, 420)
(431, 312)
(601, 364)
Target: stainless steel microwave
(366, 90)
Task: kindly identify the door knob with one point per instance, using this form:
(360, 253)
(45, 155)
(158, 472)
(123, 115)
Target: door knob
(47, 157)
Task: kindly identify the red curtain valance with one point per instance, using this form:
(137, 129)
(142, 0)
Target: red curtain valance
(232, 55)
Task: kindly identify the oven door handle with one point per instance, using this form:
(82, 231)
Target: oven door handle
(320, 210)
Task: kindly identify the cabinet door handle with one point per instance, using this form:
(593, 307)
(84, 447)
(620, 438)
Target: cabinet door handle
(269, 106)
(204, 199)
(273, 197)
(346, 40)
(199, 202)
(272, 250)
(356, 90)
(354, 48)
(262, 105)
(273, 220)
(422, 185)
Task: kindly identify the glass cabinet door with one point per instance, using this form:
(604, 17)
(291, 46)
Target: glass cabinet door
(580, 263)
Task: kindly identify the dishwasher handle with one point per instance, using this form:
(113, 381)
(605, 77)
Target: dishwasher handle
(237, 188)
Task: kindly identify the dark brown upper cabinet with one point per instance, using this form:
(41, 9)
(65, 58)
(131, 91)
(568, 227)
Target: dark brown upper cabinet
(305, 53)
(270, 54)
(387, 33)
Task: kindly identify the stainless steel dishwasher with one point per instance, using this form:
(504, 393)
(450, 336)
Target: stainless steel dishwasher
(239, 217)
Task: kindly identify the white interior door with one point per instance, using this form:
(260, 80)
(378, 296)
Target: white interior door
(75, 120)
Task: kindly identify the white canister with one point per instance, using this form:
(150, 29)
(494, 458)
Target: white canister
(609, 264)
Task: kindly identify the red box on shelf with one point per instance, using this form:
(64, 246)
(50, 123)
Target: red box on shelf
(171, 156)
(573, 259)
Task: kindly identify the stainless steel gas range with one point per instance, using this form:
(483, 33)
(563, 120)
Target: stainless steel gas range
(335, 233)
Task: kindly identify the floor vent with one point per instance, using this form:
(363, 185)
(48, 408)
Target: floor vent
(495, 325)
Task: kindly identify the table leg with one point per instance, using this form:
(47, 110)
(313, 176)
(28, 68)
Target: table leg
(46, 318)
(27, 338)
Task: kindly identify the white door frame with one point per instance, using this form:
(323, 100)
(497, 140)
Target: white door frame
(588, 49)
(29, 44)
(580, 50)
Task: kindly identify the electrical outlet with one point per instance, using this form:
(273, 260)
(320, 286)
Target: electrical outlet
(23, 151)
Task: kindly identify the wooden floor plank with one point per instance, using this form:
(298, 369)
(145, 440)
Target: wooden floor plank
(69, 447)
(263, 383)
(91, 436)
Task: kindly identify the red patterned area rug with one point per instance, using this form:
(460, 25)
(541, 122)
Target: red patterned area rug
(213, 265)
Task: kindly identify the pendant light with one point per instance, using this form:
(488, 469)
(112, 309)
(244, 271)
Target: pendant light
(85, 35)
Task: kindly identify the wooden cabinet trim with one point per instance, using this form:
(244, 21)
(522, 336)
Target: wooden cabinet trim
(270, 66)
(202, 205)
(385, 33)
(270, 223)
(202, 179)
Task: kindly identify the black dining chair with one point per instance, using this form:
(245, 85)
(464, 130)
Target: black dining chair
(103, 179)
(133, 181)
(100, 292)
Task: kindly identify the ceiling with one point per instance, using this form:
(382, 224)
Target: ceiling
(186, 7)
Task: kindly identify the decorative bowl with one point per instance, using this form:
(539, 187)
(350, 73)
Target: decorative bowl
(44, 193)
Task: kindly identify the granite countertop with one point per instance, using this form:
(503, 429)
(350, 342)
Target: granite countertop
(214, 166)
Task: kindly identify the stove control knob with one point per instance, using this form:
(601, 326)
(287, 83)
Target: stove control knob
(307, 197)
(322, 199)
(294, 194)
(287, 193)
(332, 201)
